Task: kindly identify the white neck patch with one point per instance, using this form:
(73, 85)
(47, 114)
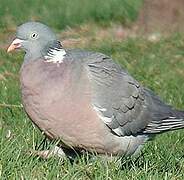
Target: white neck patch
(55, 55)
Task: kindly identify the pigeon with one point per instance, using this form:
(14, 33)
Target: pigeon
(84, 99)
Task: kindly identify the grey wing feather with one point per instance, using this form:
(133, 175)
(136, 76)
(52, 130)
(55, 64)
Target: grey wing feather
(124, 106)
(118, 98)
(163, 116)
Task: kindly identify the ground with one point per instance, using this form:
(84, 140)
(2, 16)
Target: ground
(158, 65)
(164, 16)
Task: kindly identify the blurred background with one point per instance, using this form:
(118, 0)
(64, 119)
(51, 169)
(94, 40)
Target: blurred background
(146, 37)
(60, 13)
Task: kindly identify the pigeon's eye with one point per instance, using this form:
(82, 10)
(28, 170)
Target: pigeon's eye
(34, 35)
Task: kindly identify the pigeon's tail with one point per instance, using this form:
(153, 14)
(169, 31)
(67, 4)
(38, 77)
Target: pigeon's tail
(174, 122)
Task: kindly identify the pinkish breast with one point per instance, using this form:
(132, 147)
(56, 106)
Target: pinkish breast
(58, 101)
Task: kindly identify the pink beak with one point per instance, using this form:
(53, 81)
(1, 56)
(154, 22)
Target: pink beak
(16, 44)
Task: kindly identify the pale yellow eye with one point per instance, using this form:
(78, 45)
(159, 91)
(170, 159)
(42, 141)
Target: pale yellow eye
(34, 35)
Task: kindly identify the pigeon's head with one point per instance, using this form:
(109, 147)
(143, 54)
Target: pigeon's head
(34, 38)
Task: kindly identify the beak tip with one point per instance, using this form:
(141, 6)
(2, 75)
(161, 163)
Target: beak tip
(10, 48)
(14, 45)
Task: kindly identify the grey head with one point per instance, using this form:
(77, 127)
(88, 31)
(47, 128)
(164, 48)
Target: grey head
(35, 39)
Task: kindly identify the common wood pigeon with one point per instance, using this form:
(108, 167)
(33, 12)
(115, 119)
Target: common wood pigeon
(85, 99)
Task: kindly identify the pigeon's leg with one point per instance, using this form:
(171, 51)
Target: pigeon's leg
(54, 152)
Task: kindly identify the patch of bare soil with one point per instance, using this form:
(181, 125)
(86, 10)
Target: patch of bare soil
(163, 16)
(87, 34)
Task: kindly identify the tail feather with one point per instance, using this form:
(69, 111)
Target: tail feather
(163, 116)
(170, 123)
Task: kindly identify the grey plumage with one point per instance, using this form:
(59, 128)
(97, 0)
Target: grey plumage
(132, 108)
(86, 99)
(37, 39)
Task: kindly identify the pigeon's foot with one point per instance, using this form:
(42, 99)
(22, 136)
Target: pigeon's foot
(46, 154)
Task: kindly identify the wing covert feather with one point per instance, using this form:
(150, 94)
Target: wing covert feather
(117, 97)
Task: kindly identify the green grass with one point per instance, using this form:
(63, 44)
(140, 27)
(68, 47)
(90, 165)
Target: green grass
(157, 65)
(62, 13)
